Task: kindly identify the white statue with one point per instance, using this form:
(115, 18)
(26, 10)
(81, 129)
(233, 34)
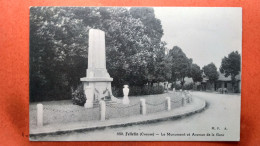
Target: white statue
(126, 92)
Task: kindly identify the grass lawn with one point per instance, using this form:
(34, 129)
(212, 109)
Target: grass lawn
(64, 111)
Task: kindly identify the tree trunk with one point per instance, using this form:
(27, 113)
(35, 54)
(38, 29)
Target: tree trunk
(182, 83)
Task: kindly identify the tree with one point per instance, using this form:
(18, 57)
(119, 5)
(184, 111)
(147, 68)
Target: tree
(127, 47)
(211, 72)
(180, 64)
(162, 70)
(156, 48)
(230, 66)
(153, 27)
(58, 48)
(196, 73)
(55, 40)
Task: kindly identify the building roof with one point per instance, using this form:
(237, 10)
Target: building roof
(238, 77)
(222, 77)
(228, 78)
(187, 80)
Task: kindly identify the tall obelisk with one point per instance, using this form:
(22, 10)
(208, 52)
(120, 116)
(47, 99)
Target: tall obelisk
(97, 83)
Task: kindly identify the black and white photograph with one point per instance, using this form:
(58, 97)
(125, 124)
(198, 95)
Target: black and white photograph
(135, 73)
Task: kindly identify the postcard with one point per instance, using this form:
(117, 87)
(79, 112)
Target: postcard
(135, 73)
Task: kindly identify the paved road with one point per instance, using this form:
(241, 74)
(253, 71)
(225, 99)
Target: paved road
(220, 120)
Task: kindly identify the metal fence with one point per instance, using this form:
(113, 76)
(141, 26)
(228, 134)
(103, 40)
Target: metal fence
(116, 111)
(156, 107)
(44, 115)
(178, 102)
(76, 115)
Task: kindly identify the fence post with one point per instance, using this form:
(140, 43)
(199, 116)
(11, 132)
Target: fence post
(39, 115)
(102, 110)
(182, 101)
(168, 103)
(189, 96)
(143, 106)
(188, 99)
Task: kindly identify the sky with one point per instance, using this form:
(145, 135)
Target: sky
(205, 34)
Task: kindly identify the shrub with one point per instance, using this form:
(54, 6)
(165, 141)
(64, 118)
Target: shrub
(145, 90)
(158, 90)
(197, 87)
(188, 86)
(117, 92)
(135, 91)
(78, 96)
(177, 86)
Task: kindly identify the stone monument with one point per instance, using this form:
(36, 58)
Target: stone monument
(97, 83)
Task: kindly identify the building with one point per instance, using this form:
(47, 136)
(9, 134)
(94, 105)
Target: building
(223, 84)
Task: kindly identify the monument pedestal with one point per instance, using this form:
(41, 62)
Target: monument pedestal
(97, 83)
(101, 87)
(90, 94)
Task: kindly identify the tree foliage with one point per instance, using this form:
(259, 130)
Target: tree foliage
(211, 72)
(196, 73)
(59, 42)
(230, 65)
(153, 27)
(135, 54)
(56, 49)
(180, 64)
(156, 48)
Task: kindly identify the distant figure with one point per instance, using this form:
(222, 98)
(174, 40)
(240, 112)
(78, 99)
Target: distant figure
(220, 90)
(225, 90)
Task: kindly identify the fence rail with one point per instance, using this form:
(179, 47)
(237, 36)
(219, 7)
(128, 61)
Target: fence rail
(153, 108)
(115, 111)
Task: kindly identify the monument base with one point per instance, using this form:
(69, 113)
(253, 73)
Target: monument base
(101, 88)
(88, 104)
(126, 100)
